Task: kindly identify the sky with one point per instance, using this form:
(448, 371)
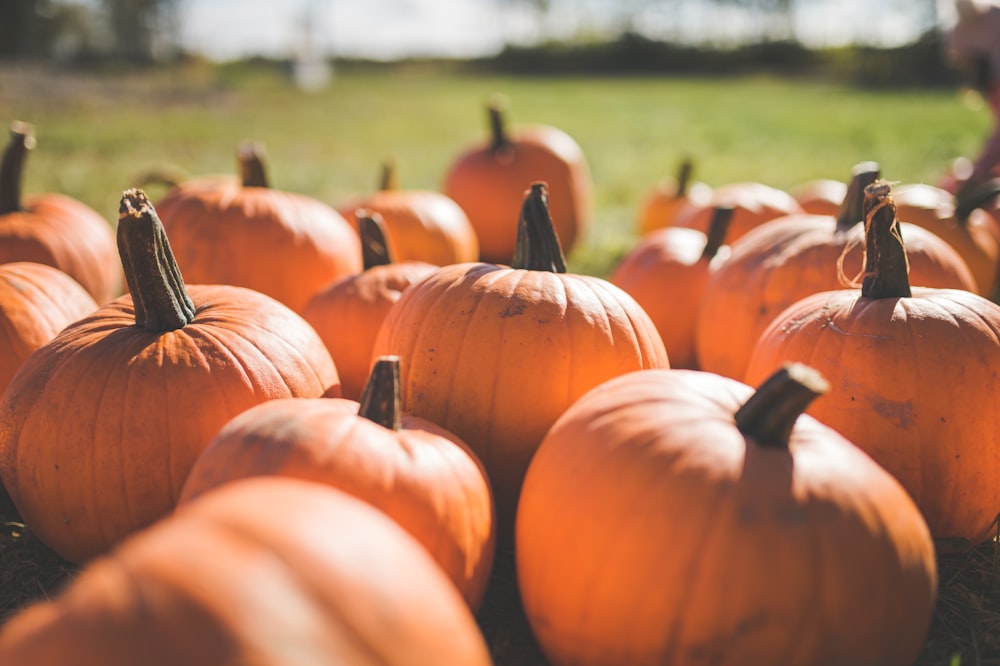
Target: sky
(386, 29)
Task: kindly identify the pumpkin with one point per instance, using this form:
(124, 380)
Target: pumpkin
(496, 353)
(488, 181)
(418, 474)
(666, 273)
(269, 572)
(753, 204)
(54, 229)
(283, 244)
(671, 195)
(791, 257)
(348, 313)
(822, 196)
(36, 302)
(101, 425)
(422, 225)
(914, 378)
(680, 517)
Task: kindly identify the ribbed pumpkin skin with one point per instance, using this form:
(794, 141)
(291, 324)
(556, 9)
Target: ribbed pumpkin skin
(651, 531)
(101, 425)
(421, 476)
(496, 354)
(787, 259)
(348, 314)
(422, 225)
(59, 231)
(283, 244)
(822, 196)
(490, 189)
(914, 384)
(753, 205)
(269, 572)
(36, 302)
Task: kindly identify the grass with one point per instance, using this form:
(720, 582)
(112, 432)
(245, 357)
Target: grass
(98, 135)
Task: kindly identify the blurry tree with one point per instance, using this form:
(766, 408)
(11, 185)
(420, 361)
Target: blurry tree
(142, 29)
(23, 28)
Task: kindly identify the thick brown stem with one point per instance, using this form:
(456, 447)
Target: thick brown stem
(537, 247)
(380, 400)
(387, 177)
(161, 302)
(770, 414)
(499, 141)
(684, 177)
(22, 140)
(886, 266)
(374, 245)
(252, 159)
(976, 196)
(722, 217)
(852, 209)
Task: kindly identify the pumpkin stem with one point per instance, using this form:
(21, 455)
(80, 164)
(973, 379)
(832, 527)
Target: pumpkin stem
(722, 216)
(387, 178)
(380, 400)
(252, 164)
(499, 141)
(886, 266)
(374, 245)
(770, 414)
(970, 198)
(161, 302)
(684, 177)
(852, 209)
(537, 247)
(22, 139)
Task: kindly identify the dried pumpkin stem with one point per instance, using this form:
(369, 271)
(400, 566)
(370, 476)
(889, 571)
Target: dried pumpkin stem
(977, 196)
(770, 414)
(387, 176)
(684, 177)
(380, 400)
(537, 247)
(852, 209)
(253, 171)
(886, 266)
(718, 227)
(22, 140)
(374, 246)
(499, 141)
(161, 302)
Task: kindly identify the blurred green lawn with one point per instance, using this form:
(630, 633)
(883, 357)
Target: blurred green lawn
(98, 132)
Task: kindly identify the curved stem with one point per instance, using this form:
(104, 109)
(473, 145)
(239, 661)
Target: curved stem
(374, 245)
(252, 159)
(499, 141)
(722, 217)
(886, 267)
(387, 177)
(852, 209)
(770, 414)
(161, 301)
(684, 177)
(537, 247)
(22, 140)
(977, 196)
(380, 400)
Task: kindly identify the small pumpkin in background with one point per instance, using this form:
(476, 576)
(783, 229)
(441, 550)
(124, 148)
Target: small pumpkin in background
(753, 204)
(666, 274)
(495, 353)
(661, 206)
(822, 196)
(36, 302)
(682, 517)
(488, 181)
(101, 425)
(348, 313)
(54, 229)
(264, 571)
(247, 234)
(422, 225)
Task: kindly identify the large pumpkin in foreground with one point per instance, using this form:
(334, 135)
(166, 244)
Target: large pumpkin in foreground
(679, 517)
(100, 427)
(268, 572)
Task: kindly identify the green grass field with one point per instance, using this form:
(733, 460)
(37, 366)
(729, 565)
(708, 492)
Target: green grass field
(98, 134)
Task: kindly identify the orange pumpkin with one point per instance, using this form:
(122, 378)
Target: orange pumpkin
(422, 225)
(488, 181)
(54, 229)
(913, 374)
(666, 274)
(791, 257)
(753, 204)
(822, 196)
(671, 195)
(283, 244)
(418, 474)
(101, 425)
(496, 353)
(269, 572)
(36, 302)
(680, 517)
